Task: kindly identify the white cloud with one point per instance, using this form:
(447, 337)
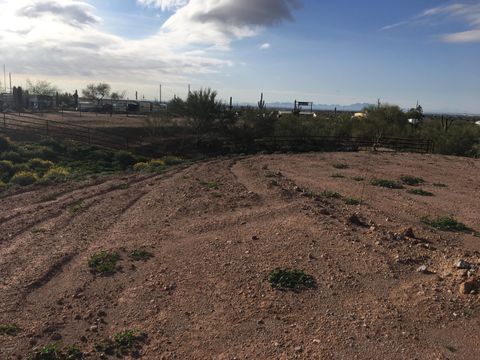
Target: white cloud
(64, 38)
(265, 46)
(164, 4)
(467, 14)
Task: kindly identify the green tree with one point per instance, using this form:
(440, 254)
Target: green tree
(96, 92)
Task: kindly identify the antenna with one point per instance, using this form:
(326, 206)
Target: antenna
(160, 94)
(4, 78)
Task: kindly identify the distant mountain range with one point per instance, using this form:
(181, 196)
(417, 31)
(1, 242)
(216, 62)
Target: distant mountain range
(352, 107)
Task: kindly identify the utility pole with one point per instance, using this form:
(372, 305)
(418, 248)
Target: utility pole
(160, 94)
(10, 76)
(189, 90)
(4, 78)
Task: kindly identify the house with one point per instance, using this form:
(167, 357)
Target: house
(41, 102)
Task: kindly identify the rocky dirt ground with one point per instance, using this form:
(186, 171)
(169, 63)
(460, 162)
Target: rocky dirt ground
(387, 285)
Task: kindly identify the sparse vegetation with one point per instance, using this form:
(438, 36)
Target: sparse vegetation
(9, 329)
(445, 223)
(352, 201)
(358, 178)
(386, 184)
(420, 192)
(121, 344)
(330, 194)
(24, 178)
(104, 262)
(439, 185)
(411, 180)
(55, 352)
(338, 176)
(209, 184)
(141, 255)
(287, 279)
(340, 166)
(76, 208)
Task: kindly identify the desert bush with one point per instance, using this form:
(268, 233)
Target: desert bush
(39, 165)
(287, 279)
(9, 329)
(420, 192)
(330, 194)
(104, 262)
(12, 156)
(4, 143)
(56, 174)
(140, 254)
(386, 184)
(352, 201)
(124, 158)
(172, 160)
(340, 166)
(411, 180)
(24, 178)
(141, 166)
(41, 152)
(7, 170)
(3, 186)
(445, 223)
(55, 352)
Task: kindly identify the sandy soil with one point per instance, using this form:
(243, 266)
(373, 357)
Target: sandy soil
(205, 294)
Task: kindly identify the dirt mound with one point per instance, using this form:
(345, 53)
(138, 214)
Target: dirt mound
(188, 255)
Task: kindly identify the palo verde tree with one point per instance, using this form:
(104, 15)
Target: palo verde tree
(41, 87)
(96, 92)
(201, 109)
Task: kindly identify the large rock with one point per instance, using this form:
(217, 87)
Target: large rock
(470, 286)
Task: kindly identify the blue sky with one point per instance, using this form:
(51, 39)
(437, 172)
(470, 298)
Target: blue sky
(329, 52)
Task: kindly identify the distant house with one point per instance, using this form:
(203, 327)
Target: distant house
(41, 102)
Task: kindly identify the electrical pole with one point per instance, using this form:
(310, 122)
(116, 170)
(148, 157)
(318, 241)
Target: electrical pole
(4, 78)
(160, 94)
(10, 77)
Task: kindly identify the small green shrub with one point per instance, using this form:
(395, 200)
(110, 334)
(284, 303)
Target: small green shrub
(411, 180)
(76, 208)
(124, 158)
(208, 184)
(39, 165)
(9, 329)
(54, 352)
(141, 166)
(340, 166)
(56, 174)
(352, 201)
(386, 184)
(445, 223)
(141, 255)
(5, 143)
(358, 178)
(24, 178)
(12, 156)
(338, 176)
(7, 170)
(104, 262)
(330, 194)
(125, 339)
(287, 279)
(3, 186)
(172, 160)
(439, 185)
(420, 192)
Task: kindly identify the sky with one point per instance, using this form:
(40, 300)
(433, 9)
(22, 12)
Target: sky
(328, 52)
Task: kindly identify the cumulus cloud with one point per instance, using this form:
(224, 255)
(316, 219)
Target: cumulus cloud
(468, 14)
(74, 13)
(65, 38)
(265, 46)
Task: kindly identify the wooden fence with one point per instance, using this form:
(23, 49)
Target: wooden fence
(191, 144)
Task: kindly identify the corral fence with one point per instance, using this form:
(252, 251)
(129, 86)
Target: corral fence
(192, 144)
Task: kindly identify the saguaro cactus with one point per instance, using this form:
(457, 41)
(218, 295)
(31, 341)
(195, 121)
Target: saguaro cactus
(261, 103)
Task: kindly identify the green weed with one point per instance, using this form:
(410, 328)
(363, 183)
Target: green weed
(411, 180)
(287, 279)
(140, 255)
(340, 166)
(386, 184)
(9, 329)
(358, 178)
(352, 201)
(104, 262)
(76, 208)
(338, 176)
(445, 223)
(330, 194)
(420, 192)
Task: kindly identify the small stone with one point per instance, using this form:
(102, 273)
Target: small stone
(423, 269)
(316, 341)
(462, 264)
(255, 237)
(94, 328)
(298, 349)
(470, 286)
(101, 313)
(78, 317)
(408, 232)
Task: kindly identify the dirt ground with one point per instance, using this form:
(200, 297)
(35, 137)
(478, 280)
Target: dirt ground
(94, 120)
(205, 294)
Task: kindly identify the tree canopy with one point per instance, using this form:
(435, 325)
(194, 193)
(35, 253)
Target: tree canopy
(96, 92)
(41, 87)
